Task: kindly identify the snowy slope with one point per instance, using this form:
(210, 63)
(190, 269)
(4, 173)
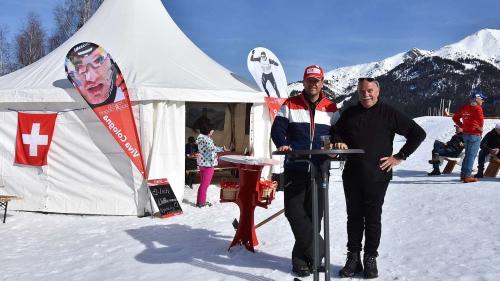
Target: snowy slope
(483, 45)
(345, 78)
(434, 228)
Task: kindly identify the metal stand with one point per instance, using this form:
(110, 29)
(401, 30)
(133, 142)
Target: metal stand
(249, 169)
(299, 156)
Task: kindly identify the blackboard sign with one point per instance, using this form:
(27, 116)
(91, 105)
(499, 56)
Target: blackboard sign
(164, 197)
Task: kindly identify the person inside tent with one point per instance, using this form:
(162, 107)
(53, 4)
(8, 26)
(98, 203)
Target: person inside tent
(489, 145)
(267, 72)
(95, 75)
(191, 147)
(207, 160)
(452, 148)
(470, 118)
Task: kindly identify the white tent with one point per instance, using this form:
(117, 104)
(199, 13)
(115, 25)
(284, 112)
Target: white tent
(87, 171)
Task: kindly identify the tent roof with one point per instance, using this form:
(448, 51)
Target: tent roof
(157, 59)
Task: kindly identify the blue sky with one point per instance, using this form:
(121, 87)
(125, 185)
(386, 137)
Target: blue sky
(331, 33)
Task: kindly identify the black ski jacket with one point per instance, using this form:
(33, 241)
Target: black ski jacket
(490, 141)
(456, 142)
(373, 130)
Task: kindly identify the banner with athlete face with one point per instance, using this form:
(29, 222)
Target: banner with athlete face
(96, 76)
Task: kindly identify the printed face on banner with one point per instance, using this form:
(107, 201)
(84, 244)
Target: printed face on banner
(268, 72)
(95, 75)
(99, 80)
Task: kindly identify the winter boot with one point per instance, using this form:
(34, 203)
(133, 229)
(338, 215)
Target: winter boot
(300, 267)
(470, 179)
(434, 172)
(371, 270)
(352, 265)
(479, 174)
(435, 158)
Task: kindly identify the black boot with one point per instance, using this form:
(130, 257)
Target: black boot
(434, 172)
(371, 270)
(479, 174)
(352, 265)
(300, 267)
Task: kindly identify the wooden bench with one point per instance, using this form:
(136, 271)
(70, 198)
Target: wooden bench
(493, 167)
(4, 202)
(451, 162)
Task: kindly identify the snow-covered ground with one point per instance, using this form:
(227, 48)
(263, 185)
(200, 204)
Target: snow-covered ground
(434, 228)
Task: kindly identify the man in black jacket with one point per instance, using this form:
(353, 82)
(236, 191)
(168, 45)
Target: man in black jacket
(489, 145)
(370, 125)
(452, 148)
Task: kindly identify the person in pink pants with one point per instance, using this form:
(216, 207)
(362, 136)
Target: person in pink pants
(207, 160)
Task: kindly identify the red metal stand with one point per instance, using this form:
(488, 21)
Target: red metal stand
(247, 201)
(251, 193)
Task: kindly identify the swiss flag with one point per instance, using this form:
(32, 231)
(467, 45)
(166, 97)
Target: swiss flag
(34, 135)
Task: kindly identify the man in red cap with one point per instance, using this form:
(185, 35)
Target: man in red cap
(299, 125)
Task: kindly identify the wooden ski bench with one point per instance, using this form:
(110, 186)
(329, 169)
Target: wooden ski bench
(493, 167)
(450, 164)
(4, 202)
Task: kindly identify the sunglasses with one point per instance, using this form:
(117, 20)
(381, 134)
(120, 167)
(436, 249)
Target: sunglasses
(81, 69)
(369, 79)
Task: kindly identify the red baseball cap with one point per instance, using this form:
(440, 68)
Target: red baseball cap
(313, 71)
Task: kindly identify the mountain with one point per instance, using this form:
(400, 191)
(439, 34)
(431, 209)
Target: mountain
(423, 78)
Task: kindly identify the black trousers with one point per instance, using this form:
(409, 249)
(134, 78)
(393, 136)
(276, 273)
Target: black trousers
(298, 211)
(269, 77)
(481, 159)
(364, 202)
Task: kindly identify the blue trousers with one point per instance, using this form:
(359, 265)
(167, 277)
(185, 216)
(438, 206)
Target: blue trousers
(472, 143)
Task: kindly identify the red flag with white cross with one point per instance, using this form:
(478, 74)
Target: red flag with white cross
(34, 135)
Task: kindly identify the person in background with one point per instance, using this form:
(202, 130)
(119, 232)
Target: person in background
(191, 146)
(206, 160)
(470, 119)
(370, 125)
(299, 125)
(489, 145)
(452, 148)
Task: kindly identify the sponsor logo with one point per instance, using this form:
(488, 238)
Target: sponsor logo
(313, 71)
(79, 47)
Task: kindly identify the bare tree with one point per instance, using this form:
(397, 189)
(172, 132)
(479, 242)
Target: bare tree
(30, 41)
(69, 16)
(5, 51)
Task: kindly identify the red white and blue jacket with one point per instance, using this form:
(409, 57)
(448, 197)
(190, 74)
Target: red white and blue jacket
(295, 125)
(470, 118)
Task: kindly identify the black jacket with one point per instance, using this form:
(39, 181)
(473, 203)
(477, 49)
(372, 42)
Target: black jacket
(373, 130)
(491, 140)
(456, 142)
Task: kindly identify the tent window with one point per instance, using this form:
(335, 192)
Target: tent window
(214, 112)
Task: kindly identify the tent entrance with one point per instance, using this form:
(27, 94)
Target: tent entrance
(231, 123)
